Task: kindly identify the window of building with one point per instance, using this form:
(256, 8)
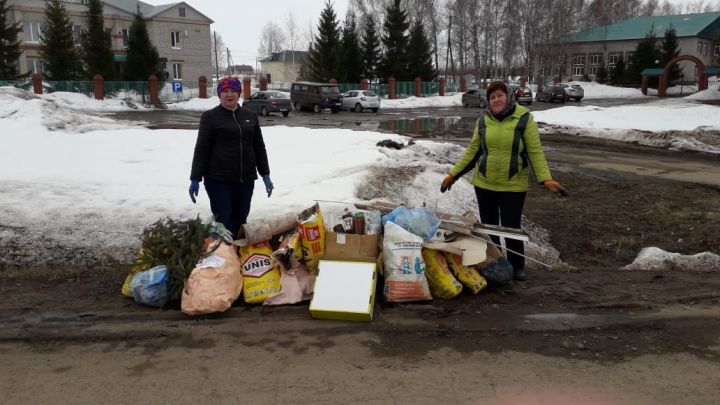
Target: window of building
(177, 71)
(31, 31)
(175, 39)
(629, 57)
(125, 37)
(717, 50)
(77, 31)
(34, 66)
(613, 59)
(181, 11)
(706, 48)
(578, 64)
(699, 48)
(594, 62)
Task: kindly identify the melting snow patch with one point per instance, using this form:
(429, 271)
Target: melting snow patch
(653, 258)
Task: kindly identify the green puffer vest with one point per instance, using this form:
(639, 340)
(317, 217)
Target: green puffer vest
(500, 153)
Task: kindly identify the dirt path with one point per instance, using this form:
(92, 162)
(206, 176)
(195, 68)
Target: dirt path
(606, 338)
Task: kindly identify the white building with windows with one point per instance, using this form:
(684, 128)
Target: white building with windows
(584, 52)
(180, 33)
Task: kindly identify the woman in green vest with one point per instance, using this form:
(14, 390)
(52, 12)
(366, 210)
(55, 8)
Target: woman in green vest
(505, 143)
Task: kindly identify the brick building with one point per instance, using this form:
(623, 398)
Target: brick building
(180, 33)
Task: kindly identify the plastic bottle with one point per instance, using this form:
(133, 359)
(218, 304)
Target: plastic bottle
(348, 222)
(359, 223)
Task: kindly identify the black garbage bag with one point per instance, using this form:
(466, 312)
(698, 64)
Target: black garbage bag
(497, 272)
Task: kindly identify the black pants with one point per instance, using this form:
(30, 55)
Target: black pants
(503, 208)
(230, 202)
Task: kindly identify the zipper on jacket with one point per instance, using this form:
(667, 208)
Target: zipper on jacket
(241, 145)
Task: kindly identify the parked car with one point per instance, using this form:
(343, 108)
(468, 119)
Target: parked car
(358, 100)
(474, 98)
(574, 91)
(523, 95)
(552, 93)
(266, 102)
(316, 96)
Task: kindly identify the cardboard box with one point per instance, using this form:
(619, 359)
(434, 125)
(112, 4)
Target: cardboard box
(344, 290)
(350, 246)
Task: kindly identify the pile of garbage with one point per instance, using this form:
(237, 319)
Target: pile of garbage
(416, 254)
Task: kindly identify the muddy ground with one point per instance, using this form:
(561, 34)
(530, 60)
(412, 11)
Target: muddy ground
(590, 333)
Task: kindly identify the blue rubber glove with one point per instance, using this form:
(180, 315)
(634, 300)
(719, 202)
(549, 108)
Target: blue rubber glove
(268, 184)
(194, 189)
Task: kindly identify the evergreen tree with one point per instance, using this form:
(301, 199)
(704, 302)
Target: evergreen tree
(97, 44)
(370, 45)
(669, 49)
(602, 75)
(351, 59)
(61, 59)
(394, 60)
(420, 54)
(142, 57)
(645, 56)
(323, 55)
(9, 45)
(617, 74)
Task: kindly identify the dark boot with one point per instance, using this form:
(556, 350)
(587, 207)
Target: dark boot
(519, 275)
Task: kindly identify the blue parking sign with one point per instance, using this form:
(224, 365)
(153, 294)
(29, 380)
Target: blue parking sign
(177, 87)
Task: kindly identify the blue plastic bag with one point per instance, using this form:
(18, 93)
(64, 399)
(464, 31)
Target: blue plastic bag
(420, 221)
(150, 287)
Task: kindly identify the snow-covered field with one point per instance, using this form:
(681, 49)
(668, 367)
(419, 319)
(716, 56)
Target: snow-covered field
(73, 178)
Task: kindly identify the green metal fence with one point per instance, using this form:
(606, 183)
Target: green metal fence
(348, 86)
(136, 92)
(21, 84)
(381, 89)
(70, 86)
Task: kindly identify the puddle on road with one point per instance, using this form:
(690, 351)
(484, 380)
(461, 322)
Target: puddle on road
(426, 126)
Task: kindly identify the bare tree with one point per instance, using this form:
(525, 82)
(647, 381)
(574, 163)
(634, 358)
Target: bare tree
(372, 8)
(272, 39)
(427, 11)
(696, 6)
(667, 8)
(293, 38)
(219, 56)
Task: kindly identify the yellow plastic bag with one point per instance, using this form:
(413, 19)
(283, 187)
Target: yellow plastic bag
(312, 235)
(260, 271)
(467, 275)
(141, 264)
(442, 283)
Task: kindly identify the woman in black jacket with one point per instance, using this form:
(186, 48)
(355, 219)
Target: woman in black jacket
(229, 152)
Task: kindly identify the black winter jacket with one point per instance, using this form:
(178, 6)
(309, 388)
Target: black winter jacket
(229, 146)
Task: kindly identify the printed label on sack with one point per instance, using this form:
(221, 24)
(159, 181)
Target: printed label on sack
(256, 265)
(311, 233)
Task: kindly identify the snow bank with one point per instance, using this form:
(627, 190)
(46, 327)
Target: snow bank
(709, 94)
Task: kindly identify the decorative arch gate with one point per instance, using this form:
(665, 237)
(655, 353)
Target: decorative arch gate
(699, 67)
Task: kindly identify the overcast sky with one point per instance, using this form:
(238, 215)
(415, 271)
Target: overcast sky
(240, 23)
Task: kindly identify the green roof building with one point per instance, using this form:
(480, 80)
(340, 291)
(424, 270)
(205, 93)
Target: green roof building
(584, 52)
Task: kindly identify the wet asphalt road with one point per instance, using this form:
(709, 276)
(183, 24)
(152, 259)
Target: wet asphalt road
(382, 120)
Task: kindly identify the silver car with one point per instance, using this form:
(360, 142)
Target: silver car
(359, 100)
(573, 91)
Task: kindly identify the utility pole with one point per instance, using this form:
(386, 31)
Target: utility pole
(217, 65)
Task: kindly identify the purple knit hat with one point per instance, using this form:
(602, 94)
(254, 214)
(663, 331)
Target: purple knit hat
(229, 83)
